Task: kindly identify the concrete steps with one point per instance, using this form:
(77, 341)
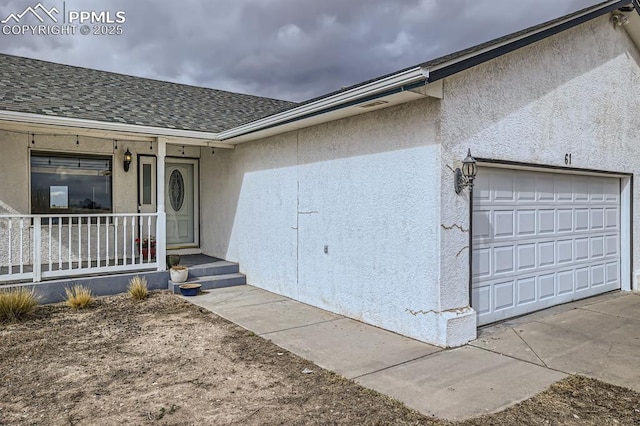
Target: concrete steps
(213, 275)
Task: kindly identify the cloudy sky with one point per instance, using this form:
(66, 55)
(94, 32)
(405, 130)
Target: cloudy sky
(287, 49)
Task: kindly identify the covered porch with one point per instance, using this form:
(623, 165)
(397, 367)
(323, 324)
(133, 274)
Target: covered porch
(80, 198)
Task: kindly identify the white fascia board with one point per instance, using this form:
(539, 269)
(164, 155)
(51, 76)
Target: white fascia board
(511, 40)
(403, 78)
(22, 117)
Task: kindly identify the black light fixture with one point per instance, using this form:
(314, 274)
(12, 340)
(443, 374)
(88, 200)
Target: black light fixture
(77, 140)
(127, 160)
(464, 178)
(213, 151)
(33, 138)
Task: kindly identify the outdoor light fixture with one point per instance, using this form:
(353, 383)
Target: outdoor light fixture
(464, 178)
(619, 19)
(127, 160)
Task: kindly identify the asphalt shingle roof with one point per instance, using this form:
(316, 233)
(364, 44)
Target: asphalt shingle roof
(45, 88)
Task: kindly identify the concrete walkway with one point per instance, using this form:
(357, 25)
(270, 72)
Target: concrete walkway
(507, 364)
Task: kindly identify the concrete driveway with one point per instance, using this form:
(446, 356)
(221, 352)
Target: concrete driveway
(508, 363)
(597, 337)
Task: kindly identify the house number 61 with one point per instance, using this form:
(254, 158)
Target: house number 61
(567, 159)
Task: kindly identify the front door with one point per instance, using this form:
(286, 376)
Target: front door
(181, 202)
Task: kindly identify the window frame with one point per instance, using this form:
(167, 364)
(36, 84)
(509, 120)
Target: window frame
(73, 155)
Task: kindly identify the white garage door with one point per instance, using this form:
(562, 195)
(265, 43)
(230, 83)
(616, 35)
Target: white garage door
(541, 239)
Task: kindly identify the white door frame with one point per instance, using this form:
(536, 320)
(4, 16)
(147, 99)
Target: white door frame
(143, 207)
(196, 199)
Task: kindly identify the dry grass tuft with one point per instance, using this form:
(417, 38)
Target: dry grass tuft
(16, 304)
(78, 297)
(138, 288)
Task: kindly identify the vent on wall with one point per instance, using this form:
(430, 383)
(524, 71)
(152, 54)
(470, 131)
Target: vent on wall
(373, 104)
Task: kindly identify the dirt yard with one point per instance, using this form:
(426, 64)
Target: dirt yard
(165, 361)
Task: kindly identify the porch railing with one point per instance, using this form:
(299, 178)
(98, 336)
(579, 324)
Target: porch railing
(33, 247)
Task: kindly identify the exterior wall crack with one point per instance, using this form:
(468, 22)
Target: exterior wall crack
(455, 225)
(431, 311)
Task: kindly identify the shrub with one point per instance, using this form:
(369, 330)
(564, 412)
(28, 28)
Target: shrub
(78, 297)
(138, 288)
(17, 303)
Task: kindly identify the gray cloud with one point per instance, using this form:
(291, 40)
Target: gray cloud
(289, 49)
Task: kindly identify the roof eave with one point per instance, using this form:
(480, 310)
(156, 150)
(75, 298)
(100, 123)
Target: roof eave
(405, 79)
(197, 137)
(409, 79)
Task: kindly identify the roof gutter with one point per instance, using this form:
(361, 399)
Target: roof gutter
(398, 82)
(77, 123)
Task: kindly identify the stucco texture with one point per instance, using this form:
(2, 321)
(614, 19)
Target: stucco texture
(377, 189)
(365, 188)
(577, 92)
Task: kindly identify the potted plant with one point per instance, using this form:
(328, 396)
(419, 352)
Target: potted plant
(148, 245)
(173, 260)
(179, 273)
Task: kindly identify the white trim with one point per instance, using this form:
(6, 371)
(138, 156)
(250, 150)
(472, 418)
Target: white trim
(625, 235)
(546, 168)
(402, 78)
(202, 138)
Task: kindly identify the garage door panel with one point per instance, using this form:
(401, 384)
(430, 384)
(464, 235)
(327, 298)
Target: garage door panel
(503, 260)
(597, 247)
(546, 221)
(481, 300)
(503, 188)
(564, 219)
(526, 257)
(503, 295)
(503, 224)
(612, 245)
(597, 219)
(565, 282)
(526, 288)
(526, 222)
(611, 218)
(545, 188)
(481, 224)
(581, 219)
(546, 254)
(565, 251)
(542, 239)
(481, 262)
(525, 189)
(613, 273)
(564, 190)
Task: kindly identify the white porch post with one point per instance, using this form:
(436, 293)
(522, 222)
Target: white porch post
(161, 224)
(37, 249)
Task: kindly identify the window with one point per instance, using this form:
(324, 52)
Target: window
(65, 184)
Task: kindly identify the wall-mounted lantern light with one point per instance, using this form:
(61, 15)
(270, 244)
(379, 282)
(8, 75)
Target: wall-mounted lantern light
(464, 178)
(127, 160)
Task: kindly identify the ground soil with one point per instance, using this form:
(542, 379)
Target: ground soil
(165, 361)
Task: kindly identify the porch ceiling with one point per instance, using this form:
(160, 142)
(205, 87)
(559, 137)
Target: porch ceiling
(38, 124)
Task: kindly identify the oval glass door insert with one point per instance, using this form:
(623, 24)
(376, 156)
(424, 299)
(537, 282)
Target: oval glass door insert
(176, 190)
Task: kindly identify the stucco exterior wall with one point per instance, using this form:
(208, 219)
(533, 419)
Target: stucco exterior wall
(376, 190)
(366, 188)
(577, 92)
